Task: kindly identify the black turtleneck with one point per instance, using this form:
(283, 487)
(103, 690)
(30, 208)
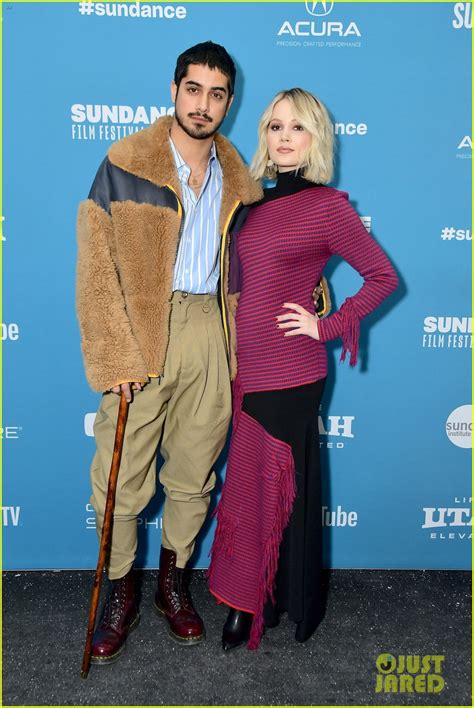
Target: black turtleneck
(287, 183)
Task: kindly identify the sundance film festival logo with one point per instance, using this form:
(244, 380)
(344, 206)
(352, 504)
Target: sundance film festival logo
(459, 426)
(449, 523)
(447, 332)
(319, 31)
(462, 15)
(133, 10)
(103, 122)
(350, 128)
(155, 523)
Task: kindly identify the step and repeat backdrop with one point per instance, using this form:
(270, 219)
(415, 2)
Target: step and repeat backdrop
(396, 430)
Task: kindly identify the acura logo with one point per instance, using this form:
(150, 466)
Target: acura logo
(319, 9)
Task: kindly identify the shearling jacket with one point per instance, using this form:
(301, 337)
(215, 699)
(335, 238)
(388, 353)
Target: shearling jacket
(128, 235)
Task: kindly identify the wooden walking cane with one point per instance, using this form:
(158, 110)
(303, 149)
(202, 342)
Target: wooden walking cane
(106, 530)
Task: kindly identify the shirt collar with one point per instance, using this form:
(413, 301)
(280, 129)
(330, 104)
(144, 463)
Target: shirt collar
(182, 166)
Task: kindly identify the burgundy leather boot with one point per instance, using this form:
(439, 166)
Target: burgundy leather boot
(119, 616)
(173, 601)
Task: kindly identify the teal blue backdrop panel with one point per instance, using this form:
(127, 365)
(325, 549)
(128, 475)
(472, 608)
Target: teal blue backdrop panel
(396, 431)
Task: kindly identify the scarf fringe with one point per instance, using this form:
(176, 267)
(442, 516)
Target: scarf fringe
(237, 399)
(223, 543)
(350, 331)
(271, 551)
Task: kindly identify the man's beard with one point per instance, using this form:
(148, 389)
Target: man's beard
(198, 132)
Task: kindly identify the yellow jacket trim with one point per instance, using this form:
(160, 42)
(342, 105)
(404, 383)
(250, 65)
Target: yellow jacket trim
(222, 261)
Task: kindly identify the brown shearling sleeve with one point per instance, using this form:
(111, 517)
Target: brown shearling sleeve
(111, 352)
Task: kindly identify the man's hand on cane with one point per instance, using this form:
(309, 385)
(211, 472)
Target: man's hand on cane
(125, 387)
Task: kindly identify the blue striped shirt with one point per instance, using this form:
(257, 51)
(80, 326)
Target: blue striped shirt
(197, 263)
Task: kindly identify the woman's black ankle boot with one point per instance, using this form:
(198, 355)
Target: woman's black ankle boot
(236, 630)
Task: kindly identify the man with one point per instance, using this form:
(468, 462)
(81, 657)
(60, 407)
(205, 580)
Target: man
(151, 238)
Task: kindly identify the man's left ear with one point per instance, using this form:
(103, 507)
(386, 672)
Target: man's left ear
(231, 100)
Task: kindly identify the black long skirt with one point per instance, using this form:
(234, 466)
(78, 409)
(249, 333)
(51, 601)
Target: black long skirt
(291, 415)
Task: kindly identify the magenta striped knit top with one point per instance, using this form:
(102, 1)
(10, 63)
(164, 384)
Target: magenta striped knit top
(282, 249)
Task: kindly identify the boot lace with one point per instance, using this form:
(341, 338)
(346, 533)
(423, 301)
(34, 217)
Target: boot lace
(114, 607)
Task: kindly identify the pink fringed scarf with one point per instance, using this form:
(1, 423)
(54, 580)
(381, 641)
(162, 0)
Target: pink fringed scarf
(254, 510)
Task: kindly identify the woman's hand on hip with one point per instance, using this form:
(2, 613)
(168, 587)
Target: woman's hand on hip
(298, 322)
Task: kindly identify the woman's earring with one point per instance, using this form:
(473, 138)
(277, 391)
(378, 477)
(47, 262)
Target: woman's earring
(269, 163)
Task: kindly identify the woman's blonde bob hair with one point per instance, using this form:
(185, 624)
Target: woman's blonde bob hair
(317, 165)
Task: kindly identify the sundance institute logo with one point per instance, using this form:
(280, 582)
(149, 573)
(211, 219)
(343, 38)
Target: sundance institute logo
(409, 674)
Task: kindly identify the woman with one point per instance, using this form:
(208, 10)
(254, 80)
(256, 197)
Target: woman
(267, 552)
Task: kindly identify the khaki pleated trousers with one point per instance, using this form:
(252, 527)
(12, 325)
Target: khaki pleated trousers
(185, 415)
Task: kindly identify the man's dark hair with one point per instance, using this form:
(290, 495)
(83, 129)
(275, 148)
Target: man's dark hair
(207, 54)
